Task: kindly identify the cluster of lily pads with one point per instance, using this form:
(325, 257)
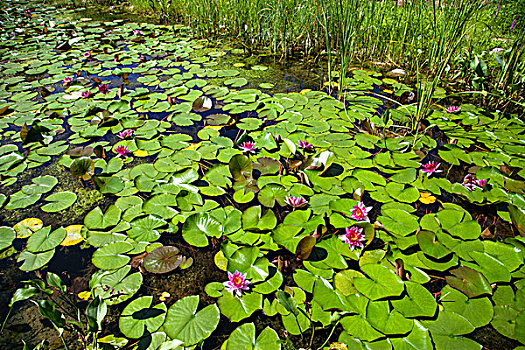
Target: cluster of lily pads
(323, 213)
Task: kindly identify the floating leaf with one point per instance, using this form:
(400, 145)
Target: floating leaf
(237, 309)
(202, 104)
(243, 337)
(383, 282)
(427, 198)
(59, 201)
(111, 256)
(198, 226)
(73, 235)
(43, 239)
(469, 281)
(34, 261)
(42, 184)
(139, 317)
(83, 168)
(163, 259)
(183, 322)
(26, 227)
(7, 236)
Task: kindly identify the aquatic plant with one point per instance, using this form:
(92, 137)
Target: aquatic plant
(122, 151)
(125, 134)
(103, 88)
(236, 283)
(453, 109)
(249, 147)
(313, 270)
(360, 212)
(295, 202)
(471, 183)
(430, 168)
(354, 237)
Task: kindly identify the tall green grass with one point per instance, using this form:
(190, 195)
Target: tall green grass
(362, 30)
(417, 35)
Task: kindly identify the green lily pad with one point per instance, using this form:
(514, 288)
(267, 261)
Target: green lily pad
(44, 240)
(111, 256)
(243, 337)
(417, 303)
(82, 168)
(478, 311)
(59, 201)
(237, 309)
(34, 261)
(469, 281)
(116, 286)
(146, 229)
(42, 184)
(96, 220)
(382, 282)
(20, 200)
(139, 317)
(183, 322)
(7, 236)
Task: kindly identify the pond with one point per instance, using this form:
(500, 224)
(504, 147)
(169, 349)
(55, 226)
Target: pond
(161, 192)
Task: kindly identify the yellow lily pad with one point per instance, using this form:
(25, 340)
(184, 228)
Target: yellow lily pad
(239, 64)
(427, 198)
(193, 146)
(221, 261)
(73, 235)
(85, 295)
(27, 227)
(140, 153)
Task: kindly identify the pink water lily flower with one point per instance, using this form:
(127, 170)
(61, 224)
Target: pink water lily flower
(481, 182)
(295, 202)
(103, 88)
(305, 145)
(360, 212)
(136, 32)
(86, 94)
(122, 151)
(453, 109)
(87, 54)
(236, 283)
(430, 168)
(68, 80)
(124, 134)
(248, 146)
(354, 237)
(471, 183)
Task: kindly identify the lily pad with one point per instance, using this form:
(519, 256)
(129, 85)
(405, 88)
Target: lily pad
(163, 259)
(59, 201)
(139, 317)
(44, 240)
(111, 256)
(183, 322)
